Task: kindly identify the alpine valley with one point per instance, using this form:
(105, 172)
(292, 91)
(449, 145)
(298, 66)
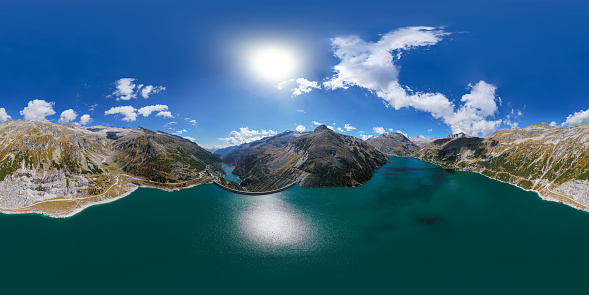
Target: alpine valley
(60, 169)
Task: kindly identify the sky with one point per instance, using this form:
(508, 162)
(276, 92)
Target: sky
(229, 72)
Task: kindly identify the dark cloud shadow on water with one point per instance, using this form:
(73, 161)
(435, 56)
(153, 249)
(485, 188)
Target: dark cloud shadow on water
(401, 198)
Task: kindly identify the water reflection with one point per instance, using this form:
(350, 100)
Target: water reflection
(270, 222)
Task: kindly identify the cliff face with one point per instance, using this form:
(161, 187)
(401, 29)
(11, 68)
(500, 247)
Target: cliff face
(395, 144)
(550, 160)
(318, 159)
(60, 169)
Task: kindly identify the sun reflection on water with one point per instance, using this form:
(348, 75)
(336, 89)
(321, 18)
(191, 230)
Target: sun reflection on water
(270, 222)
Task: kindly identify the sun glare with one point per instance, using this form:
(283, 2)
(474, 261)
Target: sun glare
(273, 63)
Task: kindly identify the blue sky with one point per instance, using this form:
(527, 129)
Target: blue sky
(426, 68)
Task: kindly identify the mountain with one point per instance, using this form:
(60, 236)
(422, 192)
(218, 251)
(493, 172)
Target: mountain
(321, 158)
(421, 141)
(232, 154)
(457, 135)
(222, 153)
(395, 144)
(549, 160)
(59, 170)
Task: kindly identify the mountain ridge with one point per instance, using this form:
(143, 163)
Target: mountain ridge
(60, 169)
(321, 158)
(395, 144)
(550, 160)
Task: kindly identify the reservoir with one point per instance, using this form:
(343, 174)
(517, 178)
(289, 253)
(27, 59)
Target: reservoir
(230, 176)
(412, 229)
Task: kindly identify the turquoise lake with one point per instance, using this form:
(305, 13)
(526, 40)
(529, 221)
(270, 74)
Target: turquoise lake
(230, 176)
(412, 229)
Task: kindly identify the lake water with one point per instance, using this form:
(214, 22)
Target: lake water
(230, 176)
(412, 229)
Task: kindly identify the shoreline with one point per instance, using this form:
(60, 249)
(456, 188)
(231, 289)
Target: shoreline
(236, 176)
(74, 212)
(540, 195)
(102, 202)
(134, 187)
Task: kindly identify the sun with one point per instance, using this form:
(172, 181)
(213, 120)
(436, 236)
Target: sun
(273, 63)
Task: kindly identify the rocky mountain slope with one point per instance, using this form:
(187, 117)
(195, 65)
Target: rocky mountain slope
(395, 144)
(550, 160)
(232, 154)
(58, 170)
(318, 159)
(421, 141)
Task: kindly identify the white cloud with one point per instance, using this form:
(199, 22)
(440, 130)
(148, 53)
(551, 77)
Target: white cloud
(67, 116)
(125, 89)
(268, 132)
(371, 65)
(552, 123)
(318, 124)
(4, 116)
(580, 117)
(37, 110)
(379, 130)
(479, 105)
(513, 125)
(245, 135)
(180, 131)
(92, 107)
(191, 121)
(85, 119)
(150, 89)
(164, 114)
(301, 111)
(349, 127)
(213, 146)
(128, 112)
(365, 137)
(430, 130)
(147, 110)
(302, 86)
(340, 129)
(511, 117)
(283, 84)
(189, 138)
(169, 124)
(300, 128)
